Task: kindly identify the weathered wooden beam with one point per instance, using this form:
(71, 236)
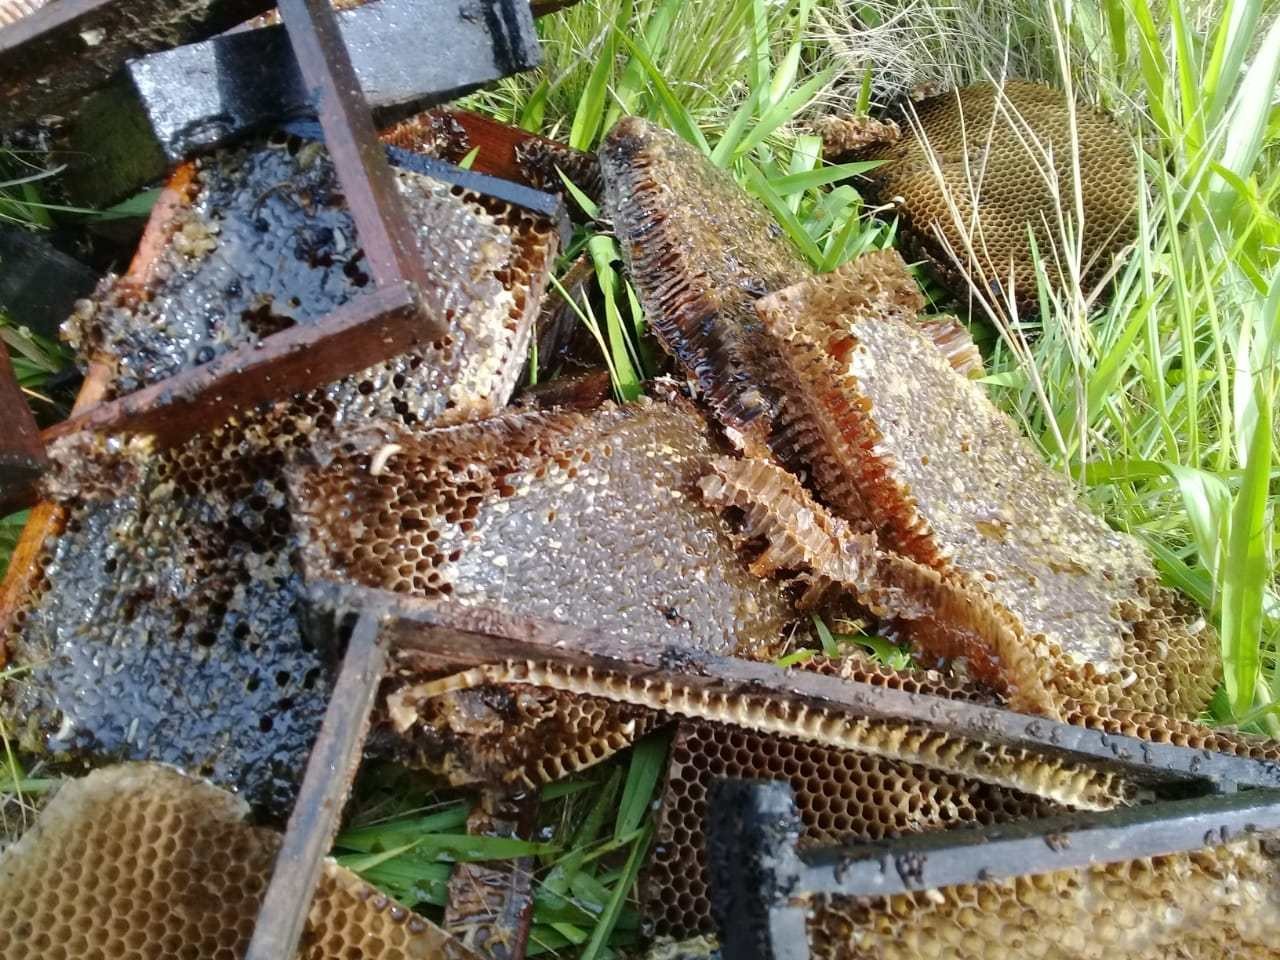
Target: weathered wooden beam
(167, 106)
(52, 57)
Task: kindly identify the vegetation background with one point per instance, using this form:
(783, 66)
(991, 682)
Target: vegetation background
(1159, 402)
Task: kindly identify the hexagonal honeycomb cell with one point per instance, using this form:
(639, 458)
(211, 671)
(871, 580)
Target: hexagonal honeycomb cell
(978, 169)
(842, 796)
(139, 862)
(519, 737)
(1217, 903)
(176, 584)
(590, 519)
(699, 251)
(951, 483)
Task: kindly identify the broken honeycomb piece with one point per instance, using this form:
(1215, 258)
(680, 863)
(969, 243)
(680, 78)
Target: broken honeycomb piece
(1049, 777)
(982, 167)
(842, 136)
(951, 483)
(951, 337)
(928, 608)
(183, 580)
(1217, 903)
(518, 737)
(141, 861)
(588, 519)
(842, 796)
(699, 252)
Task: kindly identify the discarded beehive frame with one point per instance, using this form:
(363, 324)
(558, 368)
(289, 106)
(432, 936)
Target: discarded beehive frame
(771, 891)
(400, 311)
(382, 632)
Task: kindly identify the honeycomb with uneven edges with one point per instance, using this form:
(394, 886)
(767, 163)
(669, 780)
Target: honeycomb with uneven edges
(1217, 903)
(139, 862)
(515, 737)
(590, 519)
(699, 252)
(1051, 777)
(950, 482)
(979, 168)
(843, 796)
(173, 570)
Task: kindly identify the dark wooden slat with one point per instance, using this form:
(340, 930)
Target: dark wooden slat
(366, 331)
(389, 243)
(451, 636)
(51, 58)
(170, 105)
(325, 785)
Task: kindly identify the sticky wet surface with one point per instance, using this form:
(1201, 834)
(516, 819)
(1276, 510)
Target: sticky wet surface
(165, 625)
(591, 520)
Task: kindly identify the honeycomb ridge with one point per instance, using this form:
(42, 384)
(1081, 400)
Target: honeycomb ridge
(843, 796)
(951, 483)
(140, 861)
(1071, 785)
(1220, 902)
(1000, 154)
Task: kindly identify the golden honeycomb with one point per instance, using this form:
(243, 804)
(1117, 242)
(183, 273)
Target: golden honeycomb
(928, 608)
(1053, 778)
(980, 168)
(699, 252)
(948, 481)
(842, 796)
(548, 515)
(1217, 903)
(139, 862)
(181, 579)
(519, 737)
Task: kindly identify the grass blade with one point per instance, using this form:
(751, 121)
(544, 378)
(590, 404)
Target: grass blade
(647, 761)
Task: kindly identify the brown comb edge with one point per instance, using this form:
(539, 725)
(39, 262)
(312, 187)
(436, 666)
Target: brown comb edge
(1077, 786)
(851, 434)
(22, 585)
(845, 425)
(923, 601)
(504, 443)
(679, 306)
(844, 138)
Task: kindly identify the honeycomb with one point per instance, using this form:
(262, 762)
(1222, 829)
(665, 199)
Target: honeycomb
(548, 515)
(951, 483)
(699, 252)
(1219, 902)
(843, 796)
(520, 737)
(162, 622)
(1004, 158)
(1051, 778)
(922, 606)
(138, 861)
